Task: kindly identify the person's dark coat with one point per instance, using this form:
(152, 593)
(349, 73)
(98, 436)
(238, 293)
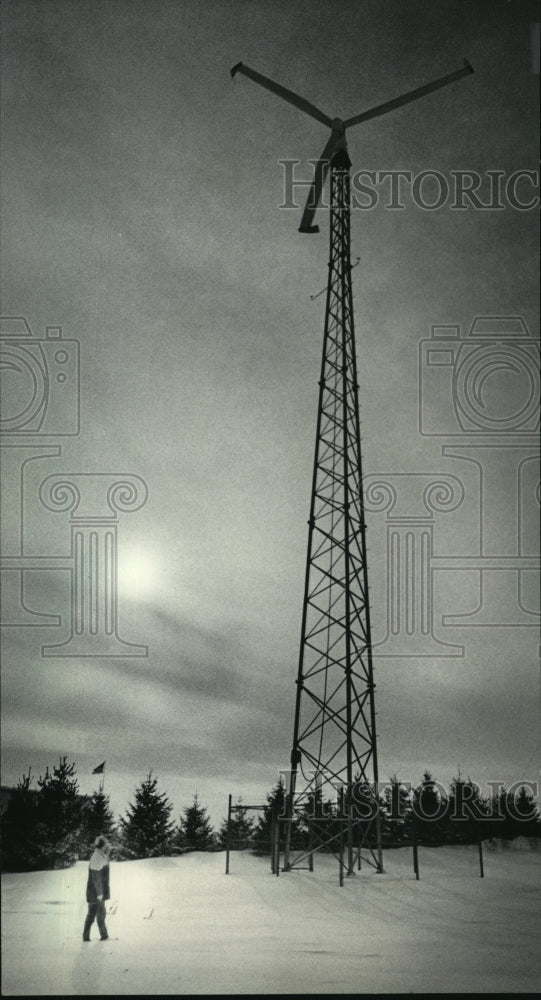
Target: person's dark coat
(98, 884)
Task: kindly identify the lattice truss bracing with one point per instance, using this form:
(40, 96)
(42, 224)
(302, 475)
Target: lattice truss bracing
(334, 742)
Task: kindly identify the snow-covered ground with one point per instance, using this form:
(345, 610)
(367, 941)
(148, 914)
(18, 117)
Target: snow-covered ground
(180, 926)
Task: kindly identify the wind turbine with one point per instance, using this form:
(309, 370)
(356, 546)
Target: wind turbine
(335, 720)
(337, 140)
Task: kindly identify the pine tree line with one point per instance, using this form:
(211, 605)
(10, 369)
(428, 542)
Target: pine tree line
(49, 824)
(53, 825)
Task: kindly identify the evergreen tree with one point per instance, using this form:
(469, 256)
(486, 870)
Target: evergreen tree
(395, 806)
(467, 812)
(525, 814)
(366, 806)
(146, 831)
(501, 824)
(97, 819)
(274, 810)
(42, 827)
(195, 831)
(241, 829)
(19, 824)
(518, 815)
(430, 812)
(59, 817)
(275, 807)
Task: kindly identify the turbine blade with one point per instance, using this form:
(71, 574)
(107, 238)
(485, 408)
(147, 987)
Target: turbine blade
(412, 95)
(314, 194)
(283, 92)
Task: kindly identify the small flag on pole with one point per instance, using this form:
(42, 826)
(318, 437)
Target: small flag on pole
(99, 769)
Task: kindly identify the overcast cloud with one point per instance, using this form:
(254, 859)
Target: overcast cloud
(141, 188)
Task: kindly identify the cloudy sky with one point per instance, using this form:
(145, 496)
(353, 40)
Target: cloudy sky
(141, 194)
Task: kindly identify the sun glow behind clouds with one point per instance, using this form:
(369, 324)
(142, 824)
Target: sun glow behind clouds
(138, 572)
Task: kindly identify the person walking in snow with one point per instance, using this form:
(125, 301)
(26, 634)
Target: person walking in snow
(97, 888)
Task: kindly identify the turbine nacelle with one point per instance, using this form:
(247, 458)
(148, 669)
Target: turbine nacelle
(337, 125)
(337, 141)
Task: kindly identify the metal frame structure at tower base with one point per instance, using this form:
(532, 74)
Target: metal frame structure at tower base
(334, 756)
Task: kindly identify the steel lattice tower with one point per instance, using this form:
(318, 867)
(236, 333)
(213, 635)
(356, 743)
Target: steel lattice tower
(334, 742)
